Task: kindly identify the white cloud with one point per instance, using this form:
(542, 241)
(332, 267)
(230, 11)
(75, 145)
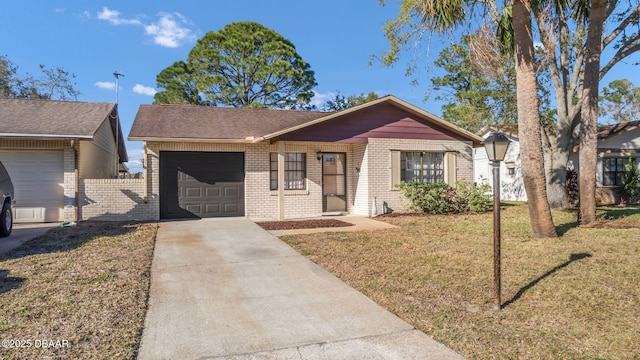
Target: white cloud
(113, 16)
(135, 164)
(135, 153)
(144, 90)
(168, 32)
(106, 85)
(319, 99)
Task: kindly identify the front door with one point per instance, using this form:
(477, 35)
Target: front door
(334, 184)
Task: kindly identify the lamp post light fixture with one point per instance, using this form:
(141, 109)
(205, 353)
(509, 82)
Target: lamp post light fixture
(496, 145)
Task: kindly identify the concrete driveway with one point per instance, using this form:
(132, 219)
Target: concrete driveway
(227, 289)
(22, 233)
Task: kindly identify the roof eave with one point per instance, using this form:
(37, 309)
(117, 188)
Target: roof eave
(617, 129)
(248, 140)
(45, 136)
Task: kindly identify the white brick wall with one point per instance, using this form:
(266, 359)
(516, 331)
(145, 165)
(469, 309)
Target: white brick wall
(260, 201)
(257, 199)
(379, 167)
(263, 203)
(69, 183)
(361, 197)
(368, 175)
(115, 200)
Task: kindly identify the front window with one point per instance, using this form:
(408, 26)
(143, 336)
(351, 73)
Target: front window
(612, 170)
(422, 167)
(295, 173)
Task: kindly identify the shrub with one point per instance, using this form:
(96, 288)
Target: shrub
(440, 198)
(631, 181)
(475, 196)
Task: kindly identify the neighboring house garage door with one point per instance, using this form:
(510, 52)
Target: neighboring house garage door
(38, 181)
(201, 184)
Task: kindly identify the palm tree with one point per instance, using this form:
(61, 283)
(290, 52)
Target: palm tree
(588, 155)
(529, 122)
(572, 81)
(444, 15)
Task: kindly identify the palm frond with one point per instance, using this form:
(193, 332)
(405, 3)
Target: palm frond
(505, 31)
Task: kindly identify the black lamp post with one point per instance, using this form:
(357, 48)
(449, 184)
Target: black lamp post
(496, 145)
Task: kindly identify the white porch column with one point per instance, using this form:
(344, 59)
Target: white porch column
(281, 155)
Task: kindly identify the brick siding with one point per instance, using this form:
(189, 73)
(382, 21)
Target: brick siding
(115, 200)
(368, 175)
(361, 187)
(378, 157)
(69, 209)
(260, 201)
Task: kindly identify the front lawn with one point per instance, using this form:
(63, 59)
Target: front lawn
(575, 297)
(77, 293)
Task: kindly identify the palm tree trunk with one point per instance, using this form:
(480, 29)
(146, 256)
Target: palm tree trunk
(588, 155)
(529, 123)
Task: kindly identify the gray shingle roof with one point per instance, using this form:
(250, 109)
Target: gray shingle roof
(30, 118)
(606, 131)
(214, 123)
(205, 123)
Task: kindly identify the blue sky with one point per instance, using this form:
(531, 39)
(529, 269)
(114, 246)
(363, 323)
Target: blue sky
(141, 38)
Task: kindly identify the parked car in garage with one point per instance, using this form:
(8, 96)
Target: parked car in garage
(6, 191)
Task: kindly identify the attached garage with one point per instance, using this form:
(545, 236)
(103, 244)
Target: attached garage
(38, 180)
(201, 184)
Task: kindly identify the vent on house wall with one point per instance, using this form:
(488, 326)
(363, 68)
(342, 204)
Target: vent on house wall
(511, 168)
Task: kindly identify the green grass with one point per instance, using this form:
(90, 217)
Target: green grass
(87, 285)
(575, 297)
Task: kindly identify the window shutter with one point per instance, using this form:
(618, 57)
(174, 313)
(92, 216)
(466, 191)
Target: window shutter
(395, 168)
(450, 169)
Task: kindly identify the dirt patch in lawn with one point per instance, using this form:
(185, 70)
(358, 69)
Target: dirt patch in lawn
(303, 224)
(82, 289)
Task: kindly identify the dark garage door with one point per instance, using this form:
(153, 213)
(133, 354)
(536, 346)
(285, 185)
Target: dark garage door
(201, 184)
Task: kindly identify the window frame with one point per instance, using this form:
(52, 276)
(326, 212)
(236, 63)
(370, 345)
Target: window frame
(432, 171)
(616, 174)
(295, 171)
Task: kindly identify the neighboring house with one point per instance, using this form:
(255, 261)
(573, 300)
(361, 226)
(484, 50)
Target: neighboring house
(48, 146)
(616, 144)
(512, 186)
(277, 164)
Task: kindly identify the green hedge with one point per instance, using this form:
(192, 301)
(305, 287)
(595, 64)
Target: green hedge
(440, 198)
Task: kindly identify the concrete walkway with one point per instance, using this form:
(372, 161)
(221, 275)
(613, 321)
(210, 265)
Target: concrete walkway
(227, 289)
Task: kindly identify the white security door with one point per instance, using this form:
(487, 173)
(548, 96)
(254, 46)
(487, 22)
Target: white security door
(38, 181)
